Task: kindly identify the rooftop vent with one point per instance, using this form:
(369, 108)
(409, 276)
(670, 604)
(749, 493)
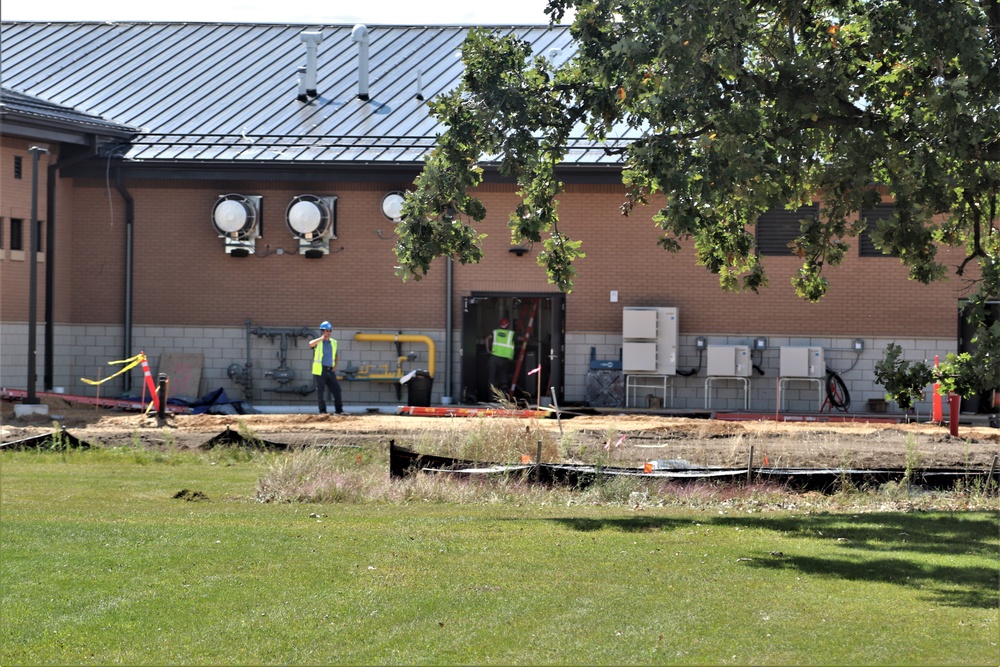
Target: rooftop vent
(307, 75)
(360, 35)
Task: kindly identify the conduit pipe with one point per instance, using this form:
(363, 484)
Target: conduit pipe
(403, 338)
(449, 299)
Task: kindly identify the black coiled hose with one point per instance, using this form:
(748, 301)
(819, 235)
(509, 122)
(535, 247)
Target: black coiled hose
(836, 391)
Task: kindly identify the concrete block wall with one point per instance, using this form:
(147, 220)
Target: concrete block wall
(80, 351)
(857, 372)
(14, 354)
(85, 350)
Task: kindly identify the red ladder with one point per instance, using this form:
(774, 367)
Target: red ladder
(524, 346)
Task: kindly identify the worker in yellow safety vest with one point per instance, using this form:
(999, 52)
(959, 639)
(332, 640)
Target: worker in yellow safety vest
(500, 345)
(324, 368)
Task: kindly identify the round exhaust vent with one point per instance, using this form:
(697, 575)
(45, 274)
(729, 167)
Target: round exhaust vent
(234, 216)
(392, 205)
(308, 217)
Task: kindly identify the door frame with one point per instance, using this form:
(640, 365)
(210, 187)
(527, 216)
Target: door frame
(474, 331)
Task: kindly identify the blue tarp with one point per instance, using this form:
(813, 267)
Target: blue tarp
(215, 402)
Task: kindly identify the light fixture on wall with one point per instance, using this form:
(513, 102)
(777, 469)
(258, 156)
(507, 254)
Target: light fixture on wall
(392, 205)
(518, 250)
(237, 219)
(313, 221)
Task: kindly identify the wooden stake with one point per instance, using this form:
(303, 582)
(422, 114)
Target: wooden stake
(538, 392)
(538, 460)
(993, 467)
(750, 464)
(777, 397)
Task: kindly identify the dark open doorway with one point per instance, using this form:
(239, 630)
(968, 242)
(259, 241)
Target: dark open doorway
(537, 319)
(985, 399)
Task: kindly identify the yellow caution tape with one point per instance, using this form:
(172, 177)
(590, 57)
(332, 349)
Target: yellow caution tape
(132, 363)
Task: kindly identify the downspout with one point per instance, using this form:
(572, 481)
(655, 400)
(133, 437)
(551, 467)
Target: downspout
(129, 246)
(50, 264)
(449, 286)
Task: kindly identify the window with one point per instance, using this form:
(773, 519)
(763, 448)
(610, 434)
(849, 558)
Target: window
(40, 246)
(865, 246)
(16, 232)
(17, 167)
(779, 227)
(1, 234)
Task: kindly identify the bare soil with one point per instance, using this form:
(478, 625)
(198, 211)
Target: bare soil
(648, 436)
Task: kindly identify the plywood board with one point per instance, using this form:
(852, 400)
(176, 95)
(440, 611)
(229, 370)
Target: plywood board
(184, 371)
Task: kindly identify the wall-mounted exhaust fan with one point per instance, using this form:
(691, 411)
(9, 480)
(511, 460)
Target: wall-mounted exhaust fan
(392, 205)
(313, 221)
(237, 219)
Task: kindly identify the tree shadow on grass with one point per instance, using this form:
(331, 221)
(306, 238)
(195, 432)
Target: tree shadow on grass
(953, 586)
(958, 534)
(868, 540)
(636, 524)
(861, 545)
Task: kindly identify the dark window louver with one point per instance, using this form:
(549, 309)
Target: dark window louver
(865, 246)
(16, 234)
(17, 167)
(778, 227)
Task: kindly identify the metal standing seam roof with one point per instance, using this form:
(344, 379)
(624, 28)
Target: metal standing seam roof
(15, 104)
(219, 92)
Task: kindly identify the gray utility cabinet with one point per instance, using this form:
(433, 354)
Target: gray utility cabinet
(802, 362)
(729, 361)
(649, 341)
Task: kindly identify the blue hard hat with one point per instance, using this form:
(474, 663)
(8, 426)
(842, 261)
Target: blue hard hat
(326, 326)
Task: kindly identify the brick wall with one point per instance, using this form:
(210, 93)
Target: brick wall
(15, 202)
(189, 295)
(183, 276)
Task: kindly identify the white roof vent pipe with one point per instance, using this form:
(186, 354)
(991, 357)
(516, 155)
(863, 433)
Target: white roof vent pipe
(420, 85)
(360, 35)
(553, 54)
(307, 80)
(303, 95)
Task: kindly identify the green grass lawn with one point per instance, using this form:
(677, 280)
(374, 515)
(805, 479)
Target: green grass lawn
(101, 564)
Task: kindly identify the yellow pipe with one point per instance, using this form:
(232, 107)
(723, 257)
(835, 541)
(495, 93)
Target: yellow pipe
(403, 338)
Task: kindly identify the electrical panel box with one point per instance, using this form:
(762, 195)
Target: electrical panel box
(649, 341)
(802, 362)
(729, 361)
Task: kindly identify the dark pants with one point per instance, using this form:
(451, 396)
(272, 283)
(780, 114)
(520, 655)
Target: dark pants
(328, 380)
(498, 369)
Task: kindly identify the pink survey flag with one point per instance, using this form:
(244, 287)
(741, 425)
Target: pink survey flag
(535, 370)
